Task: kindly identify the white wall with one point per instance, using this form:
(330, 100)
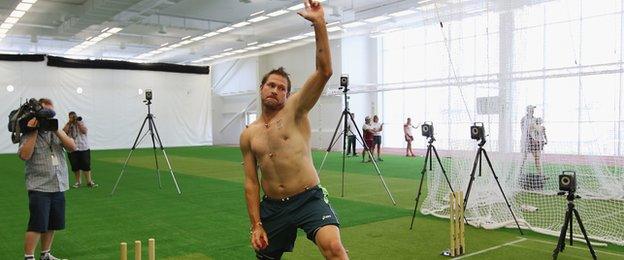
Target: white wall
(110, 103)
(355, 56)
(299, 62)
(230, 78)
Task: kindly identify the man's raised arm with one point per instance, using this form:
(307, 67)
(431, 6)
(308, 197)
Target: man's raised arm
(314, 85)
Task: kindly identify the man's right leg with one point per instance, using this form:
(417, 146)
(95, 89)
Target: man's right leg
(30, 242)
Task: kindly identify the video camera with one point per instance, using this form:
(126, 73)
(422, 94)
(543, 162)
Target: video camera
(18, 119)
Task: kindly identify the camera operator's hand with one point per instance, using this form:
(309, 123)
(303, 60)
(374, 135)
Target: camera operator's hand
(33, 123)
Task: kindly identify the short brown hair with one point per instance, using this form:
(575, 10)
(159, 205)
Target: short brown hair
(45, 101)
(279, 71)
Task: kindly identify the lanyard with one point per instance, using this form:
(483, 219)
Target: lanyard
(48, 143)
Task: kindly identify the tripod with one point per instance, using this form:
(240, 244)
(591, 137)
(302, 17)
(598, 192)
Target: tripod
(567, 222)
(478, 158)
(429, 160)
(153, 132)
(346, 115)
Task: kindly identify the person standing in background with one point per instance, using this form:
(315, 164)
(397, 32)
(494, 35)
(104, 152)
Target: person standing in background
(80, 159)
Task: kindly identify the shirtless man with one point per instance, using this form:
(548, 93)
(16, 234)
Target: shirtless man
(278, 143)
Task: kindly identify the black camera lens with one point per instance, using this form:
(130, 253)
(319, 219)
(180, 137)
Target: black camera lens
(79, 118)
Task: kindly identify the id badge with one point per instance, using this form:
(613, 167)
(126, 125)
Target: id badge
(55, 161)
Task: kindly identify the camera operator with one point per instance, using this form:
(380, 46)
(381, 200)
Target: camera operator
(46, 181)
(80, 160)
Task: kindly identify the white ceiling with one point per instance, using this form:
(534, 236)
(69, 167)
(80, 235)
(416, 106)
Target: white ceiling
(55, 26)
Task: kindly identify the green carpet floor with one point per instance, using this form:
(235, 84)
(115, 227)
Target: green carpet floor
(209, 219)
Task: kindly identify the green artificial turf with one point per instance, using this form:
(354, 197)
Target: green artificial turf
(209, 219)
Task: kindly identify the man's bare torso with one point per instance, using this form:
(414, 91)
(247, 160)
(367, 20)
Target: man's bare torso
(282, 150)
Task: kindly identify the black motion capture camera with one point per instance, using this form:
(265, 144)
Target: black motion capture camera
(427, 129)
(567, 182)
(477, 131)
(18, 119)
(344, 80)
(344, 83)
(148, 94)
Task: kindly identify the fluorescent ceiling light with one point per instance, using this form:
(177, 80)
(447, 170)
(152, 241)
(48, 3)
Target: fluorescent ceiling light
(198, 38)
(309, 34)
(185, 37)
(333, 29)
(210, 34)
(425, 1)
(296, 7)
(186, 42)
(218, 56)
(353, 24)
(277, 13)
(17, 14)
(403, 13)
(164, 44)
(23, 7)
(240, 51)
(298, 37)
(257, 13)
(264, 45)
(228, 49)
(115, 30)
(282, 41)
(6, 26)
(253, 48)
(377, 19)
(332, 24)
(252, 43)
(11, 20)
(96, 39)
(103, 30)
(241, 24)
(105, 35)
(258, 19)
(225, 29)
(29, 1)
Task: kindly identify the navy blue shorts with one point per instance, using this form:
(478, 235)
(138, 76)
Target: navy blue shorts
(309, 210)
(80, 160)
(47, 211)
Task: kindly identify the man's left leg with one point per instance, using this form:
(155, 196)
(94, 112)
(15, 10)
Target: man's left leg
(328, 242)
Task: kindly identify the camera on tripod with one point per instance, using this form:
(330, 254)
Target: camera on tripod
(18, 119)
(427, 129)
(148, 94)
(477, 131)
(567, 182)
(344, 83)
